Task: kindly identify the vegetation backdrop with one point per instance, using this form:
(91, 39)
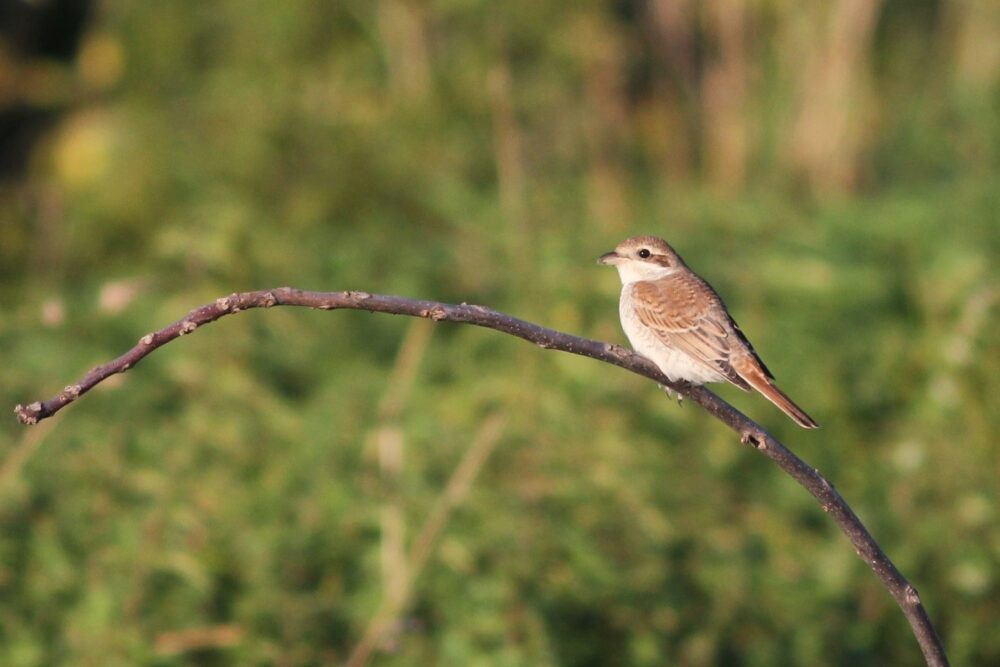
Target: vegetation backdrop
(253, 494)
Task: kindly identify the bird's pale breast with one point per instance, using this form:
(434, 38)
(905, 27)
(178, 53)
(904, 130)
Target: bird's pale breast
(675, 364)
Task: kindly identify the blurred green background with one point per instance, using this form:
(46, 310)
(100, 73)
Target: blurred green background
(258, 493)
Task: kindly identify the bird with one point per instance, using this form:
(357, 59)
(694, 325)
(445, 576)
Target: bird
(674, 318)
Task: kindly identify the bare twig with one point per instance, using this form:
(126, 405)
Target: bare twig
(749, 431)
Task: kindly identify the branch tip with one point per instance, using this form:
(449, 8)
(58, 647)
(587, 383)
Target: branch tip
(29, 414)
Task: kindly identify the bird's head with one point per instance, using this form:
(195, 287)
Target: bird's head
(642, 258)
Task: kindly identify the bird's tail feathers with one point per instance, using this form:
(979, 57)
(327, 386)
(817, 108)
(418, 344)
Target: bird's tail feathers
(759, 381)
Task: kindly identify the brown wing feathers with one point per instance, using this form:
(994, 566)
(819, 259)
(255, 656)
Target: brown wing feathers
(687, 315)
(679, 308)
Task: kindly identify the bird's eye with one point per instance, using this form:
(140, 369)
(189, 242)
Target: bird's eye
(644, 253)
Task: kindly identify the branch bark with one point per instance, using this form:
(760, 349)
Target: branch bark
(749, 431)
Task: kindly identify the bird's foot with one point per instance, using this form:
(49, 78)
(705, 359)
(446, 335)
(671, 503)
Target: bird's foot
(672, 393)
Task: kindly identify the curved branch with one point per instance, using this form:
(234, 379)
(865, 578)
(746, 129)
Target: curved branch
(749, 431)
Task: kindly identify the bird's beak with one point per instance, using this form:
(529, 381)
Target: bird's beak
(610, 258)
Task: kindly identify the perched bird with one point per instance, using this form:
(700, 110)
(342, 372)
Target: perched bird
(676, 320)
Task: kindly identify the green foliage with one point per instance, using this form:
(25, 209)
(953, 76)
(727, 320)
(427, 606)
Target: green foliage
(224, 503)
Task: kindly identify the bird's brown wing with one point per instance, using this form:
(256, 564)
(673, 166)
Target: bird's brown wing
(687, 315)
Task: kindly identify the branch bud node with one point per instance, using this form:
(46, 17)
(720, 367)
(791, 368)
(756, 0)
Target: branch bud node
(25, 414)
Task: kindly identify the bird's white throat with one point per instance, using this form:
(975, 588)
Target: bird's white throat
(633, 271)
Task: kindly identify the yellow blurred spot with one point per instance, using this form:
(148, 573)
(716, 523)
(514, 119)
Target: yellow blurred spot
(53, 312)
(971, 578)
(82, 151)
(101, 61)
(909, 456)
(975, 510)
(117, 295)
